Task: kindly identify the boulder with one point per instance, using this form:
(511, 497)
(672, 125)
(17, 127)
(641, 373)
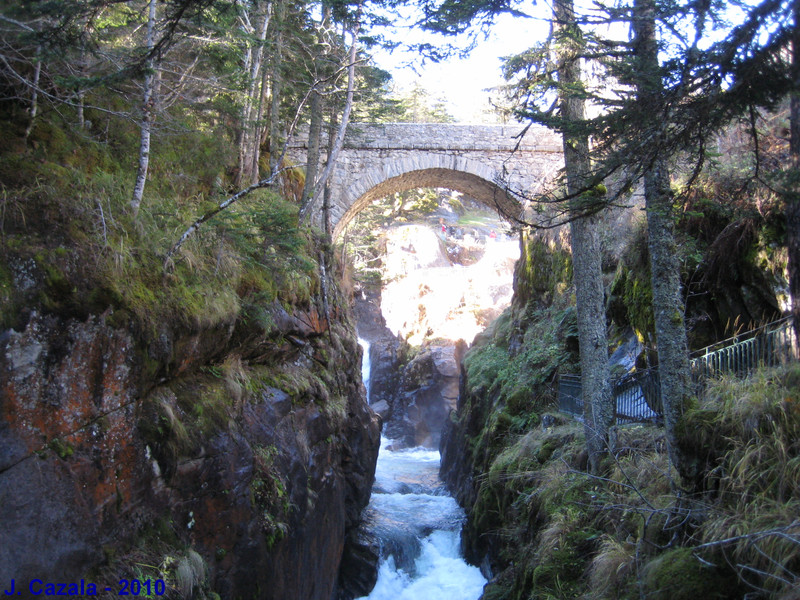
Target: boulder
(428, 391)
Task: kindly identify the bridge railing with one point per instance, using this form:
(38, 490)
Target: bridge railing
(637, 395)
(569, 394)
(767, 346)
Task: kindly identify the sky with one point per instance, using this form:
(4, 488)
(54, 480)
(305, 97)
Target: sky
(461, 83)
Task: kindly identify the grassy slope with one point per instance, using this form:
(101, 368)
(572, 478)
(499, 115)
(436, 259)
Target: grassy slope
(554, 532)
(70, 246)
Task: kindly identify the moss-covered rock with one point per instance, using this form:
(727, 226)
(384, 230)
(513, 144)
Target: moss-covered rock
(680, 575)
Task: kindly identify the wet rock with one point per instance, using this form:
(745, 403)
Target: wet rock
(386, 353)
(386, 360)
(382, 408)
(428, 392)
(359, 570)
(413, 398)
(263, 484)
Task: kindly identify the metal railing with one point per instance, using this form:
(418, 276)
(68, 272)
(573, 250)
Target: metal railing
(768, 346)
(637, 395)
(569, 395)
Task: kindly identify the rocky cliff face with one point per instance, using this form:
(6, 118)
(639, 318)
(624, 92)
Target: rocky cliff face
(413, 394)
(233, 459)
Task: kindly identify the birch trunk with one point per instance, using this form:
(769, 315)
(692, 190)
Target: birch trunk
(586, 258)
(244, 118)
(249, 137)
(319, 186)
(277, 89)
(84, 64)
(34, 108)
(258, 133)
(148, 102)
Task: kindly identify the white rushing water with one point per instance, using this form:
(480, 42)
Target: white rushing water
(419, 527)
(365, 364)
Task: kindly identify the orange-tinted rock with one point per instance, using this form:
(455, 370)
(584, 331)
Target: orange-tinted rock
(83, 470)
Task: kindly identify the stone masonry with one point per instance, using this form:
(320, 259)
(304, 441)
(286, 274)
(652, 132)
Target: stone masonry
(487, 162)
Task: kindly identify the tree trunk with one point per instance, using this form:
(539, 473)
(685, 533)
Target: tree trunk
(258, 128)
(793, 187)
(148, 102)
(673, 348)
(317, 108)
(34, 108)
(333, 154)
(277, 88)
(84, 71)
(314, 135)
(326, 194)
(587, 271)
(249, 137)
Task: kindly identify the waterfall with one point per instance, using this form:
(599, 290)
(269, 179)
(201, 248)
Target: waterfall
(418, 525)
(365, 364)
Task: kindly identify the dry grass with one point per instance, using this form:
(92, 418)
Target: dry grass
(237, 381)
(611, 567)
(190, 574)
(552, 537)
(755, 519)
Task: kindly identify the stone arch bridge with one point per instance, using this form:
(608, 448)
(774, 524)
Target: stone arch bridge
(381, 159)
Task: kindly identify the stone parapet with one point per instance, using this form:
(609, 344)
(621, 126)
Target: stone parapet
(451, 137)
(443, 136)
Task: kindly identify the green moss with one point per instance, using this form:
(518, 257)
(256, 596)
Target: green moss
(679, 575)
(633, 288)
(496, 591)
(269, 495)
(206, 403)
(543, 272)
(7, 296)
(559, 573)
(483, 365)
(162, 427)
(63, 449)
(546, 451)
(68, 209)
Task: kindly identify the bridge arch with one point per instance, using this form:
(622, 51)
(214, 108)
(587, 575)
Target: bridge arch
(378, 159)
(466, 176)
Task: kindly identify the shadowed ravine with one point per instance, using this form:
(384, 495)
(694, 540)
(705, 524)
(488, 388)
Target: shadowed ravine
(418, 526)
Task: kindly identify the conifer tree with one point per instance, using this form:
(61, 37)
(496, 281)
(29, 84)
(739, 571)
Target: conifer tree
(670, 328)
(586, 255)
(792, 178)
